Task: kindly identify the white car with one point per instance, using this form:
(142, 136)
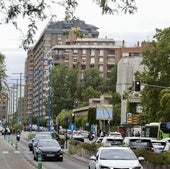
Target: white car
(158, 146)
(112, 141)
(115, 134)
(115, 157)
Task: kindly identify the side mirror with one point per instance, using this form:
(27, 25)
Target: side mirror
(141, 158)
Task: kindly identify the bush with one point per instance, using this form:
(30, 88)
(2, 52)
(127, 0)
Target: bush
(157, 158)
(31, 136)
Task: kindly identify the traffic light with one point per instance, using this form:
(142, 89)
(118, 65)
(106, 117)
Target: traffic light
(76, 104)
(137, 85)
(72, 117)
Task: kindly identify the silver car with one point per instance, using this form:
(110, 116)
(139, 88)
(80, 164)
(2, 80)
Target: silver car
(115, 157)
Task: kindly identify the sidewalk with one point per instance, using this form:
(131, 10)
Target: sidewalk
(10, 157)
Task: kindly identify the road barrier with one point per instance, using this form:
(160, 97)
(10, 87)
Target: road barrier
(39, 161)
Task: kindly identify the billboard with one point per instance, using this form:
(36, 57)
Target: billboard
(104, 112)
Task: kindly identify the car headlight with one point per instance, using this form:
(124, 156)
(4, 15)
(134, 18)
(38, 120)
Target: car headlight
(39, 151)
(104, 167)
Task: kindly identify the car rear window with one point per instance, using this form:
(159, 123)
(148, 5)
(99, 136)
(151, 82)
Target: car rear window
(140, 143)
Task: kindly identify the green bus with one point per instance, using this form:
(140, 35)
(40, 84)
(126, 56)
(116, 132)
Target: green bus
(156, 130)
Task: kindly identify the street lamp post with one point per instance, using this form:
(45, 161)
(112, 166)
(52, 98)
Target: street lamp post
(38, 76)
(20, 112)
(31, 113)
(16, 99)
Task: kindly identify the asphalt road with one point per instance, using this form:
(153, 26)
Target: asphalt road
(69, 162)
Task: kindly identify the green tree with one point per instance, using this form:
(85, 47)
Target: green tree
(62, 117)
(116, 102)
(35, 11)
(91, 77)
(156, 77)
(64, 88)
(2, 72)
(111, 83)
(165, 105)
(90, 92)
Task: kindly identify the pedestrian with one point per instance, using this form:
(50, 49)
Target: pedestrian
(133, 133)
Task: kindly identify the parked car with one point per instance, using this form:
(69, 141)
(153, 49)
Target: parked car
(112, 140)
(138, 143)
(48, 149)
(158, 145)
(115, 157)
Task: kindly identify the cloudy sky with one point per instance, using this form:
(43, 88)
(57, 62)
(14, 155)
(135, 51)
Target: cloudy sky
(141, 26)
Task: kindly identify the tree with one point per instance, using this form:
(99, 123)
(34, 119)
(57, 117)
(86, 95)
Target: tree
(111, 85)
(62, 116)
(34, 11)
(116, 102)
(91, 77)
(2, 72)
(90, 92)
(64, 88)
(164, 105)
(156, 77)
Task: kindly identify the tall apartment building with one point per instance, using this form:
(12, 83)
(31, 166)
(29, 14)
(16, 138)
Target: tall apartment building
(69, 42)
(36, 65)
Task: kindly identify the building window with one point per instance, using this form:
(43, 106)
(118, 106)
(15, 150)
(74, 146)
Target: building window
(75, 51)
(101, 68)
(84, 52)
(101, 52)
(101, 59)
(92, 52)
(92, 60)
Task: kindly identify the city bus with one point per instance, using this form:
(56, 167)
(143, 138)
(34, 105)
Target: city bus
(156, 130)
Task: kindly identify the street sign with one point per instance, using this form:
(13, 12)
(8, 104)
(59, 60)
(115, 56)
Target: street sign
(72, 126)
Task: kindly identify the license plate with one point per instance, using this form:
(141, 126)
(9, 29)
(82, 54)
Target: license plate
(50, 155)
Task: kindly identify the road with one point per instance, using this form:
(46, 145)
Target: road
(68, 161)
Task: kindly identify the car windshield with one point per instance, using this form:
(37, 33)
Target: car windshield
(42, 137)
(49, 143)
(117, 154)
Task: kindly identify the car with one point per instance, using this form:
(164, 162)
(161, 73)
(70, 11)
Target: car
(48, 149)
(158, 145)
(53, 134)
(138, 143)
(115, 157)
(34, 141)
(167, 140)
(115, 134)
(77, 135)
(112, 140)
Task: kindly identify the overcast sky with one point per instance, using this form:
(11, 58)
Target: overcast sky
(141, 26)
